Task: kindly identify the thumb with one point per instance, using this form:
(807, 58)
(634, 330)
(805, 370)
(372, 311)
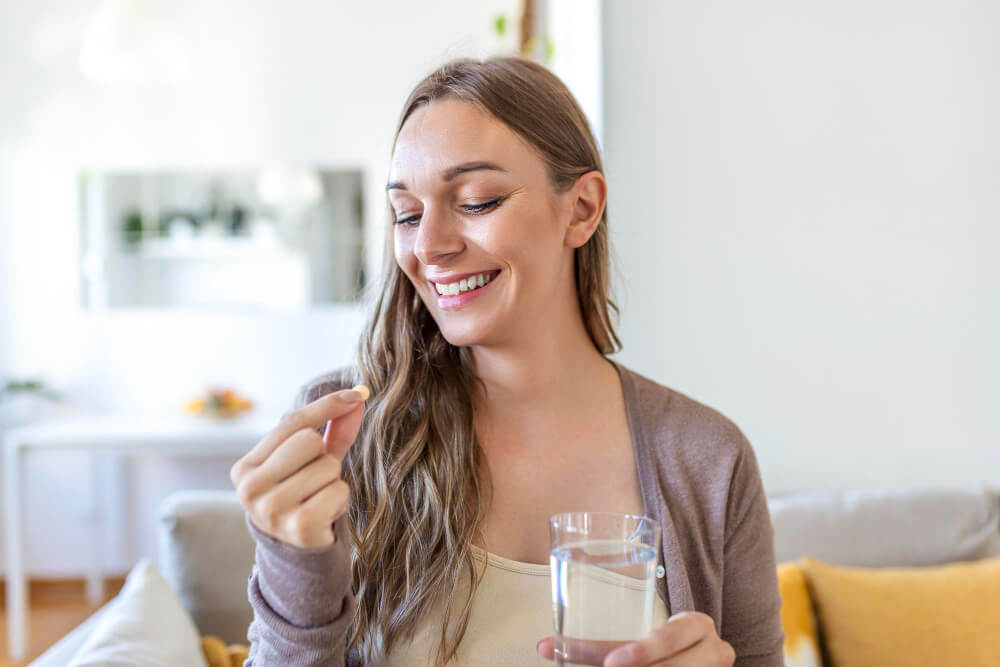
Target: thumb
(546, 648)
(342, 431)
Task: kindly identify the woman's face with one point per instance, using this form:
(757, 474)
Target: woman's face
(479, 229)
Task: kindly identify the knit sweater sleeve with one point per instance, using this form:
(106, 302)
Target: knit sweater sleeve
(751, 614)
(302, 601)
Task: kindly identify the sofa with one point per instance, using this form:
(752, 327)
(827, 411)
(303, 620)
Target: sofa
(206, 553)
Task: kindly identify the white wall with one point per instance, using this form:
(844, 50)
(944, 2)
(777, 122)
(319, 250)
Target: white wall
(307, 80)
(574, 28)
(804, 200)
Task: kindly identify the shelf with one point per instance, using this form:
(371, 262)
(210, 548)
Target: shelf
(203, 249)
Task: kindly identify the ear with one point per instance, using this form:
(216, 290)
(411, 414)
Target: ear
(586, 201)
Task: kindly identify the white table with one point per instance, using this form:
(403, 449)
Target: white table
(183, 436)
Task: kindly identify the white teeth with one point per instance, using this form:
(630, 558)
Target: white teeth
(463, 285)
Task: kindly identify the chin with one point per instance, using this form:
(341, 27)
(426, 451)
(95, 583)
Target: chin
(452, 327)
(463, 336)
(463, 331)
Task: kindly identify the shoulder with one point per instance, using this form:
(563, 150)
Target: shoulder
(701, 455)
(690, 426)
(323, 384)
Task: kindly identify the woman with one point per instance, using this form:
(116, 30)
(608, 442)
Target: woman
(493, 406)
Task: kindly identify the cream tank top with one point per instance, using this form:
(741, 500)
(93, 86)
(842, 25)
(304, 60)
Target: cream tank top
(511, 611)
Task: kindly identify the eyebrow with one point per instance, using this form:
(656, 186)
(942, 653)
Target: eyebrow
(453, 172)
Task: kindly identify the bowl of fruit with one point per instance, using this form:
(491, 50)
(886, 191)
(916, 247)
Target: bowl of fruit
(219, 403)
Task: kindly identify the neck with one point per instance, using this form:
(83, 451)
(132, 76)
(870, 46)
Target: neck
(549, 367)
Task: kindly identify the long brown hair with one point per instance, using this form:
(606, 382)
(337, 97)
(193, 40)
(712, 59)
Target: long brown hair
(418, 496)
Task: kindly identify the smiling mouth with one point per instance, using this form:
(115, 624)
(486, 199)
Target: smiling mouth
(468, 284)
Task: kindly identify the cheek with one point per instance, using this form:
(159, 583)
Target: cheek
(534, 238)
(525, 229)
(402, 250)
(406, 260)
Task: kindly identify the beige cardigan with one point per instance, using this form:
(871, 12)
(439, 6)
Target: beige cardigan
(699, 478)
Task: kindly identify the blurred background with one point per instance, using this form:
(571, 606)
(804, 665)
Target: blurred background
(803, 204)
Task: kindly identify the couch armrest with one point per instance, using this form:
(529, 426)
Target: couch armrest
(206, 554)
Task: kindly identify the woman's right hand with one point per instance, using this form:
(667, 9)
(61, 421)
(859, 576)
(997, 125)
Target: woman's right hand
(289, 483)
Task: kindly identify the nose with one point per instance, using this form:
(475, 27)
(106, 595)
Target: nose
(438, 237)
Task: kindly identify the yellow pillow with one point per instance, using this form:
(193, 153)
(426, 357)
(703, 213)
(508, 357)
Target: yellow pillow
(217, 654)
(942, 615)
(801, 643)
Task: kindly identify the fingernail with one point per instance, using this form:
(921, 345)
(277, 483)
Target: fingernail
(358, 392)
(350, 396)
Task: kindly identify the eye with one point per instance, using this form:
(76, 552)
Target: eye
(408, 220)
(482, 208)
(475, 209)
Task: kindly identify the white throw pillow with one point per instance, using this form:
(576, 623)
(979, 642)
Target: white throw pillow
(144, 625)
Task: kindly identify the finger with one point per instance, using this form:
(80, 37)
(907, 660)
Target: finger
(298, 451)
(680, 632)
(341, 433)
(330, 502)
(709, 651)
(311, 525)
(545, 648)
(314, 415)
(578, 651)
(300, 486)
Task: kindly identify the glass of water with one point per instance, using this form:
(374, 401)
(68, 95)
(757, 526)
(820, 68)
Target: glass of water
(603, 582)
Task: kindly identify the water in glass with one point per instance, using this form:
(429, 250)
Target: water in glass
(602, 595)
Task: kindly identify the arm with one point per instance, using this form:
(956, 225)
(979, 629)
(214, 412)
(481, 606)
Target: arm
(301, 597)
(302, 602)
(751, 604)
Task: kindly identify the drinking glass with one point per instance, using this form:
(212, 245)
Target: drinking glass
(603, 582)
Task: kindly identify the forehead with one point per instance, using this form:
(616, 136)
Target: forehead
(450, 132)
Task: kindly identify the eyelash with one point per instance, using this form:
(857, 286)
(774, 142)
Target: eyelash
(474, 209)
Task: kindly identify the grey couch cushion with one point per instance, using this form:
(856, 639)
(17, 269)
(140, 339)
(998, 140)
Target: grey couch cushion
(206, 555)
(888, 527)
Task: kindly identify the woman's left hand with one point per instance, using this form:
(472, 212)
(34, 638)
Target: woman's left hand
(687, 639)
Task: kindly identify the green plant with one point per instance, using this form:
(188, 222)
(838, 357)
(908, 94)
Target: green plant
(132, 227)
(33, 387)
(501, 25)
